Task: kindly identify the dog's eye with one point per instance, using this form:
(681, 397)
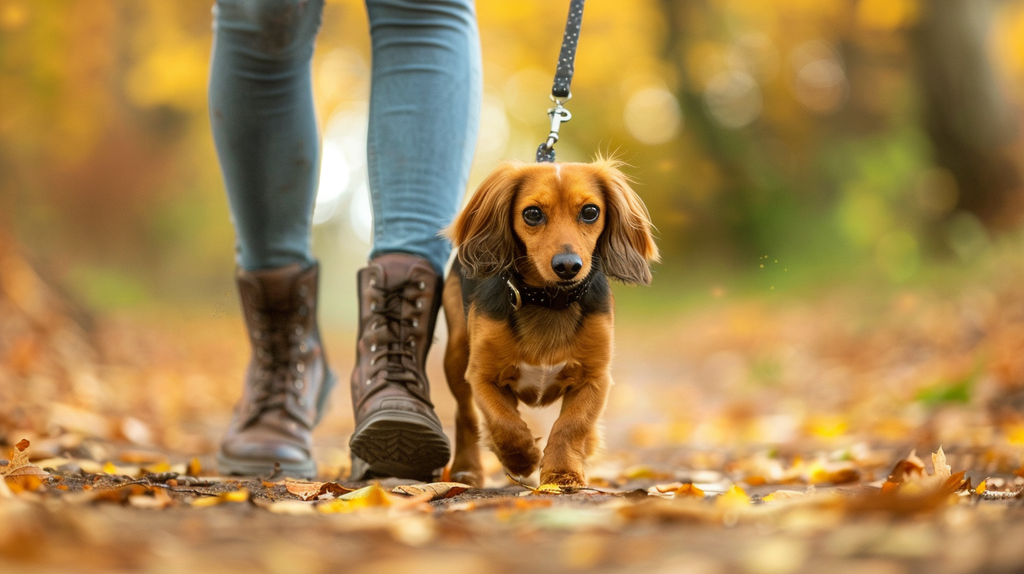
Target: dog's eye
(533, 216)
(589, 213)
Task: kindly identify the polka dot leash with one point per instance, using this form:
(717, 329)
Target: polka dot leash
(560, 91)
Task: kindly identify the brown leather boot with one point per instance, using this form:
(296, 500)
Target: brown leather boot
(287, 381)
(397, 432)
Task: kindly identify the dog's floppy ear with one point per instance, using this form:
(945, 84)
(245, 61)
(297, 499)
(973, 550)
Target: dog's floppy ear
(626, 244)
(482, 231)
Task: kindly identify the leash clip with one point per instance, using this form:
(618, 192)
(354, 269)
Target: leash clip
(558, 115)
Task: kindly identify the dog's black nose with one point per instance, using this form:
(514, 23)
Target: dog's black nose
(566, 265)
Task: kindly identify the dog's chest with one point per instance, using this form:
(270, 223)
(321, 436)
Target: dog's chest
(534, 380)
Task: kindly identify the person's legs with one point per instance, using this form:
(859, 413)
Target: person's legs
(424, 112)
(264, 127)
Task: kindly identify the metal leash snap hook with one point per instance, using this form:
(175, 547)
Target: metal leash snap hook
(558, 115)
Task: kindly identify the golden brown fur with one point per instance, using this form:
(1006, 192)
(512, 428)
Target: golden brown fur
(491, 344)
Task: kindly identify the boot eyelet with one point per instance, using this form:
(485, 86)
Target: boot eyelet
(299, 384)
(298, 330)
(419, 303)
(303, 347)
(373, 306)
(373, 361)
(373, 282)
(301, 367)
(369, 381)
(373, 348)
(412, 344)
(423, 286)
(373, 326)
(303, 310)
(303, 291)
(415, 323)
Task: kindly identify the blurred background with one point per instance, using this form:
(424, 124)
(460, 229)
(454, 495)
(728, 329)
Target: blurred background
(785, 148)
(840, 137)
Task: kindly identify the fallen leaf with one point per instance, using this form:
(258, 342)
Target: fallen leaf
(678, 490)
(240, 495)
(780, 495)
(372, 496)
(193, 468)
(436, 490)
(549, 489)
(733, 497)
(307, 490)
(157, 500)
(19, 473)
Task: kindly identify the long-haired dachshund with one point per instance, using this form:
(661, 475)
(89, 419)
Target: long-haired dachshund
(529, 310)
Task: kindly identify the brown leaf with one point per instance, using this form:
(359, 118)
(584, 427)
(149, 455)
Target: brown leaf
(20, 473)
(436, 490)
(314, 490)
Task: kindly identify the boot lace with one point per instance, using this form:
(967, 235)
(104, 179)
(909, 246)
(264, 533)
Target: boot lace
(391, 350)
(279, 349)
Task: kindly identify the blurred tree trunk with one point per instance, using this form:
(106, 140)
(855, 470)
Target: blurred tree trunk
(969, 121)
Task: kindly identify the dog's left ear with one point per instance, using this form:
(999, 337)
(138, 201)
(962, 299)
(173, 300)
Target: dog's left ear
(626, 245)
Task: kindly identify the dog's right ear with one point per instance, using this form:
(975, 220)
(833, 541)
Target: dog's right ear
(483, 230)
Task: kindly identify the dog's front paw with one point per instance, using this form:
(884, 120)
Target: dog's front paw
(474, 478)
(568, 478)
(520, 460)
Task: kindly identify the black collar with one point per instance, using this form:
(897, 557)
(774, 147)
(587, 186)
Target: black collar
(555, 297)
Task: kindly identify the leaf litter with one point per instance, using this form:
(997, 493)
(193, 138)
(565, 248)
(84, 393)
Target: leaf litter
(830, 483)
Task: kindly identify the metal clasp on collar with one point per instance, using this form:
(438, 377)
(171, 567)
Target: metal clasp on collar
(513, 297)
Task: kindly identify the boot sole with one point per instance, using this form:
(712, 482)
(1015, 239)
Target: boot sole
(265, 467)
(401, 444)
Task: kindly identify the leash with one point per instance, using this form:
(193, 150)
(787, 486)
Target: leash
(560, 92)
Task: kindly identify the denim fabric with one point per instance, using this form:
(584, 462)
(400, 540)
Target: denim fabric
(424, 114)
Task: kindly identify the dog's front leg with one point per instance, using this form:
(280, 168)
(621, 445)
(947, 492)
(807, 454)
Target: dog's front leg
(574, 435)
(513, 444)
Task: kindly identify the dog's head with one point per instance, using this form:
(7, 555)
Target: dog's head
(553, 222)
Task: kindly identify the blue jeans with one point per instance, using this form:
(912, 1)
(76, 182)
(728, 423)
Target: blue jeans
(424, 114)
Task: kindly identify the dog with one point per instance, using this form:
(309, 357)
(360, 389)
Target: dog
(530, 311)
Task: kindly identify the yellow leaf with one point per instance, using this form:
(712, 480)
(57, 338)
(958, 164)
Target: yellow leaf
(109, 468)
(162, 466)
(689, 491)
(193, 468)
(548, 489)
(735, 496)
(372, 496)
(981, 487)
(240, 495)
